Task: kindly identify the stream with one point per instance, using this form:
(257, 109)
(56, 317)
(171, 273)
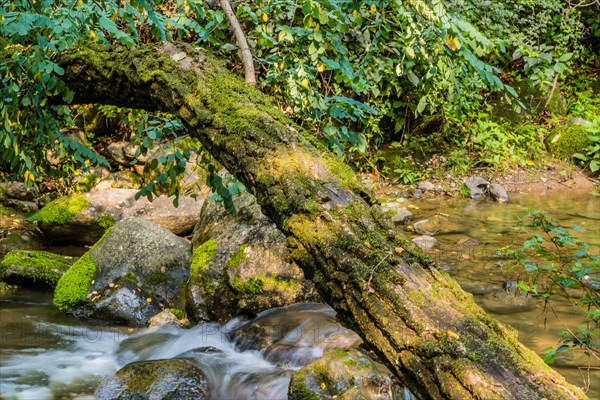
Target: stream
(47, 355)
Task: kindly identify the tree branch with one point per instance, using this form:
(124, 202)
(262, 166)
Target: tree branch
(242, 42)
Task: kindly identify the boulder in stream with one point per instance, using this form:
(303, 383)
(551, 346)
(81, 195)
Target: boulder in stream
(477, 187)
(131, 274)
(175, 379)
(398, 213)
(240, 264)
(343, 374)
(426, 242)
(34, 267)
(293, 336)
(84, 218)
(480, 188)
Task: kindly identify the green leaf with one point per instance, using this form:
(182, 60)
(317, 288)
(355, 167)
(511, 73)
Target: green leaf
(422, 104)
(565, 57)
(59, 70)
(413, 79)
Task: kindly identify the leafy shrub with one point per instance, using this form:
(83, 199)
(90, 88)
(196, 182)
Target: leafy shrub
(558, 264)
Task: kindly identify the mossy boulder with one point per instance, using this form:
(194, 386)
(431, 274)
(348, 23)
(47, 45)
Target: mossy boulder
(157, 379)
(64, 220)
(240, 264)
(34, 267)
(84, 218)
(343, 374)
(131, 274)
(566, 140)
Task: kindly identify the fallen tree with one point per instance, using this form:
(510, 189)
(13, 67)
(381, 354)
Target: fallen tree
(433, 336)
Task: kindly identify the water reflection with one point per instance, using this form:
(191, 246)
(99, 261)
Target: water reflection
(471, 256)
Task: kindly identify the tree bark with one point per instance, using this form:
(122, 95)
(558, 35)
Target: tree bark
(438, 342)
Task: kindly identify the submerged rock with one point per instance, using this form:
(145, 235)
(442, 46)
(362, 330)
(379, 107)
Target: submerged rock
(175, 379)
(343, 374)
(508, 300)
(437, 224)
(129, 276)
(34, 267)
(426, 242)
(240, 264)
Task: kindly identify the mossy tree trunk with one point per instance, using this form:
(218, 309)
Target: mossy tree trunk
(428, 331)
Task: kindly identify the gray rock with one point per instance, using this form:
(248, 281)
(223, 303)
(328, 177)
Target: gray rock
(17, 191)
(426, 242)
(175, 379)
(295, 335)
(34, 267)
(168, 317)
(477, 187)
(116, 152)
(124, 302)
(426, 186)
(578, 121)
(119, 180)
(104, 208)
(498, 193)
(399, 214)
(343, 374)
(140, 267)
(240, 264)
(19, 240)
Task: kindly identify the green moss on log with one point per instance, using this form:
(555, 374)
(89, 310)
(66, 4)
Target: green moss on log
(61, 211)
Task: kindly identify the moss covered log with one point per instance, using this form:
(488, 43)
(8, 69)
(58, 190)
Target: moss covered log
(428, 331)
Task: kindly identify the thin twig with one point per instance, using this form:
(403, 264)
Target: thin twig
(240, 37)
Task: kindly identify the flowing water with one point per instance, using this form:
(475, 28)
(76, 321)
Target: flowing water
(47, 355)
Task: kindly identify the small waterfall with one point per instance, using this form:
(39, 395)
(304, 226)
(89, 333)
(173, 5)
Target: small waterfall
(243, 359)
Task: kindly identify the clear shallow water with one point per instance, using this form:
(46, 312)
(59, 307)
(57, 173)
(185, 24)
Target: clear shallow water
(480, 270)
